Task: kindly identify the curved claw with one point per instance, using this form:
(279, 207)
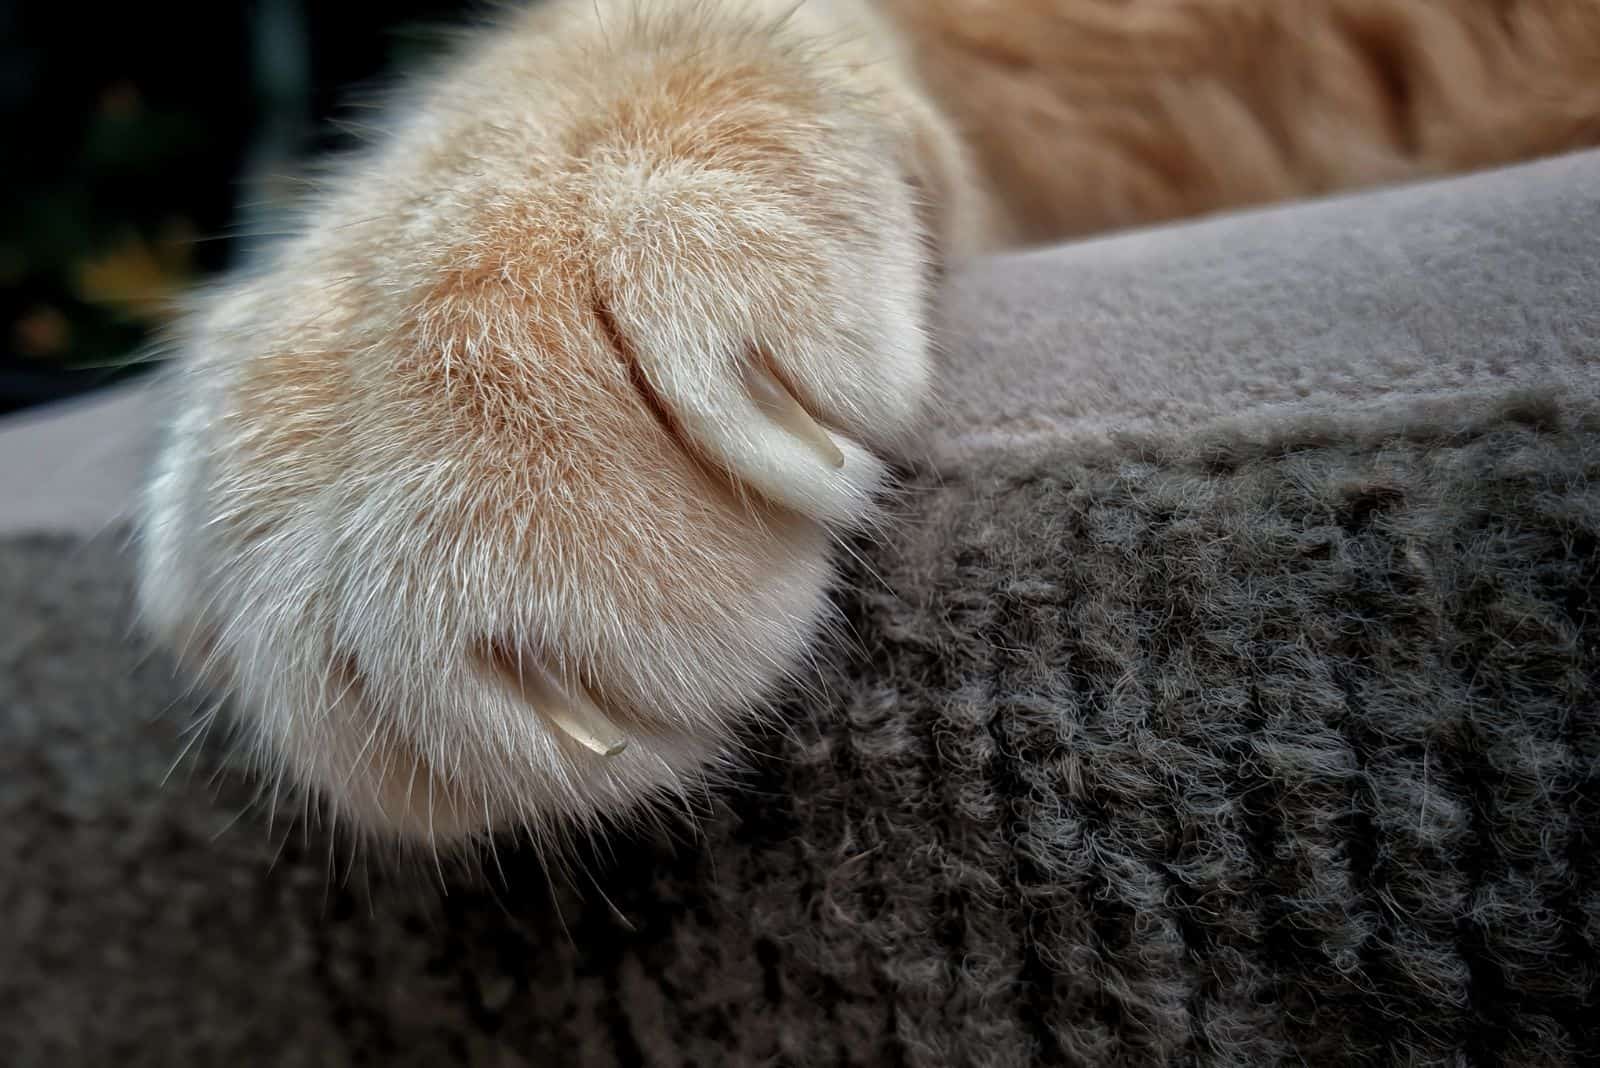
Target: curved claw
(577, 716)
(570, 709)
(779, 405)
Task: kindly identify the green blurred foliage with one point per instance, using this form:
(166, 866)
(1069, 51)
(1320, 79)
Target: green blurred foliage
(137, 136)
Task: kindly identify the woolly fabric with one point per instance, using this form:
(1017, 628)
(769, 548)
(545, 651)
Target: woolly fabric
(1258, 743)
(1269, 748)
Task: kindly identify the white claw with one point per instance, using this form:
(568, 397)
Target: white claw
(569, 709)
(782, 408)
(579, 718)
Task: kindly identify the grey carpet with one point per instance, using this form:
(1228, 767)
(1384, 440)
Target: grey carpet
(1280, 750)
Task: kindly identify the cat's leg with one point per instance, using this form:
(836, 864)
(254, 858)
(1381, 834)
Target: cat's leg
(499, 493)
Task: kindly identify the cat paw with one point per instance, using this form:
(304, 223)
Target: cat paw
(504, 492)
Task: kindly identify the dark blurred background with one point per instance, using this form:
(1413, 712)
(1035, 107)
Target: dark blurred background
(150, 144)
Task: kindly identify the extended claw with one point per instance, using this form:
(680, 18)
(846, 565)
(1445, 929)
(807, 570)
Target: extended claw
(575, 713)
(570, 709)
(774, 399)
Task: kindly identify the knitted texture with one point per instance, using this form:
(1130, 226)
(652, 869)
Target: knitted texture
(1268, 749)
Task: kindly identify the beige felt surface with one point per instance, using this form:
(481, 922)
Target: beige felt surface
(1477, 284)
(75, 467)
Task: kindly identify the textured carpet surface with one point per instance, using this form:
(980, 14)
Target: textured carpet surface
(1280, 750)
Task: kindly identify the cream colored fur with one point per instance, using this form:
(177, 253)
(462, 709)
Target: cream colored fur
(506, 488)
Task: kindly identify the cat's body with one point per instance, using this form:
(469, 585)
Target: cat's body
(498, 494)
(1091, 114)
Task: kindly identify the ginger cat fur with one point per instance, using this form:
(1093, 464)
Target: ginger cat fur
(503, 492)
